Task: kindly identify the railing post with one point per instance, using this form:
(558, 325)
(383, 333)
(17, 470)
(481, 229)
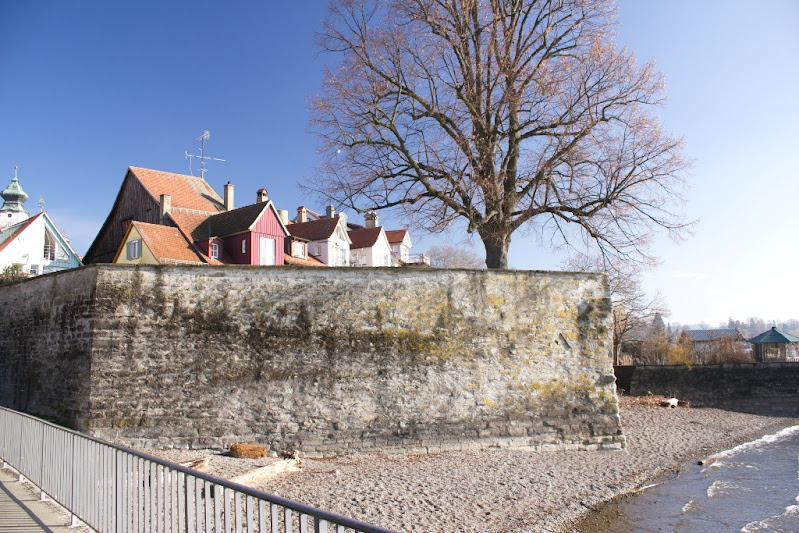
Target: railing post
(72, 483)
(20, 477)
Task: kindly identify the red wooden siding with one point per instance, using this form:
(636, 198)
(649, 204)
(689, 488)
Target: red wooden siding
(233, 249)
(267, 226)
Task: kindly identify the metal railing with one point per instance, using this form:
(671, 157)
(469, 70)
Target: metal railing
(115, 489)
(417, 259)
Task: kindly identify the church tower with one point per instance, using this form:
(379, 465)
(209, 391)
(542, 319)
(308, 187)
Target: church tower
(13, 210)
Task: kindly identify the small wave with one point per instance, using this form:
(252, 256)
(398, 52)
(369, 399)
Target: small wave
(688, 507)
(769, 524)
(766, 439)
(720, 487)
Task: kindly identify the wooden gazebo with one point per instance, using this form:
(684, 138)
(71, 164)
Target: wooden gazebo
(775, 345)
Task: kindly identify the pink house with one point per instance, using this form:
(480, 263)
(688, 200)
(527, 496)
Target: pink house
(250, 235)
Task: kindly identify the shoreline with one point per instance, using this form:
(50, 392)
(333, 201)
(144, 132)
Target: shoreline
(601, 517)
(504, 490)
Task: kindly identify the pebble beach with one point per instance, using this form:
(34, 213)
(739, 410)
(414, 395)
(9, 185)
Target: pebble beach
(504, 490)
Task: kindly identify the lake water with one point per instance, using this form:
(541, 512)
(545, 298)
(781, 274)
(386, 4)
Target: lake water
(751, 488)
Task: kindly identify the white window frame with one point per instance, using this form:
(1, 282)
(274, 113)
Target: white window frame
(213, 251)
(341, 256)
(298, 249)
(133, 249)
(244, 246)
(50, 246)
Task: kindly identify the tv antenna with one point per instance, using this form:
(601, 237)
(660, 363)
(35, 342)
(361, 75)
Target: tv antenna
(202, 157)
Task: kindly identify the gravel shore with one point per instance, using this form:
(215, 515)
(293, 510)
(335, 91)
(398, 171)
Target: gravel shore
(504, 490)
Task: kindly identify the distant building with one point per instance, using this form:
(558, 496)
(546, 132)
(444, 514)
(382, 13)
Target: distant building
(710, 344)
(775, 345)
(34, 243)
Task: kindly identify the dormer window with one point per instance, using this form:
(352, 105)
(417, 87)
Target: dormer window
(214, 253)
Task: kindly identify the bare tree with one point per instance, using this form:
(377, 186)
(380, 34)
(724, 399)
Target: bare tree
(500, 113)
(633, 309)
(446, 256)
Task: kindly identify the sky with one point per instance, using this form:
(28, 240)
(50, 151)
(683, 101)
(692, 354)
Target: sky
(89, 88)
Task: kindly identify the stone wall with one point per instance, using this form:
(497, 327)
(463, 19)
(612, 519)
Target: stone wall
(751, 386)
(46, 327)
(327, 360)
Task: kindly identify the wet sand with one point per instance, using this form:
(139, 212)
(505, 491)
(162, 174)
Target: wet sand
(506, 490)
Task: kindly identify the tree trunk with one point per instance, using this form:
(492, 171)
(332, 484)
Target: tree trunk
(496, 245)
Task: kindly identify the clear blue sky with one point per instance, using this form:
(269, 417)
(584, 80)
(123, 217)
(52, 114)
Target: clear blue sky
(89, 88)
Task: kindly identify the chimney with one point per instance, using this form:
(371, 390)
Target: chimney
(330, 212)
(228, 196)
(372, 220)
(284, 216)
(166, 205)
(261, 196)
(302, 214)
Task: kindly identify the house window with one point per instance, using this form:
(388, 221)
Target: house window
(34, 270)
(214, 250)
(134, 249)
(244, 246)
(49, 246)
(341, 257)
(298, 249)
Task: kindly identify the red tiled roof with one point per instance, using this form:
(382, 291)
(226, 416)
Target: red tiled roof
(311, 261)
(22, 225)
(396, 235)
(195, 225)
(315, 230)
(167, 244)
(363, 238)
(187, 192)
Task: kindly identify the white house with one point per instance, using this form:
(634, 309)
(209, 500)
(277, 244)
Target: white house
(400, 242)
(369, 247)
(34, 243)
(327, 239)
(37, 246)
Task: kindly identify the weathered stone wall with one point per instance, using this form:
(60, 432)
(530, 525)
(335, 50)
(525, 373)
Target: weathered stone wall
(331, 360)
(756, 386)
(46, 326)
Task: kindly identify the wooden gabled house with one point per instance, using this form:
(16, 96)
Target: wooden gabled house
(147, 196)
(164, 217)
